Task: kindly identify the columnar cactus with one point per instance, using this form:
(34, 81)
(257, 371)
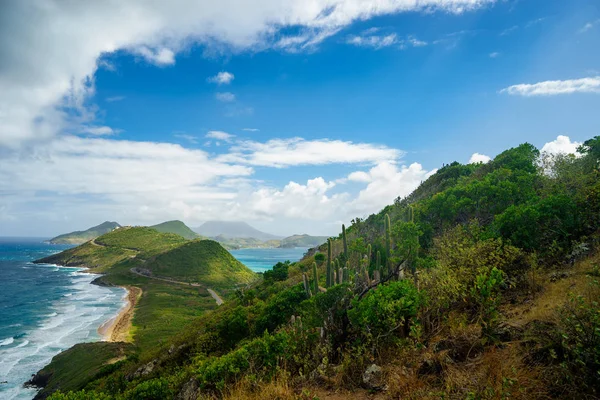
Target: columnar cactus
(368, 255)
(388, 235)
(345, 241)
(315, 278)
(329, 281)
(410, 214)
(306, 286)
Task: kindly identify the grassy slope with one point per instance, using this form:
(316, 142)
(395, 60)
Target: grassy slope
(204, 261)
(90, 359)
(79, 237)
(176, 227)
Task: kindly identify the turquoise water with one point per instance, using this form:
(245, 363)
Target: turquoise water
(260, 260)
(43, 311)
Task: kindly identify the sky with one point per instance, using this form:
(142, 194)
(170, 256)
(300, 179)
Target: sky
(293, 115)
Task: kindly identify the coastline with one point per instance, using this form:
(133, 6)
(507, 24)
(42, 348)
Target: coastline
(117, 329)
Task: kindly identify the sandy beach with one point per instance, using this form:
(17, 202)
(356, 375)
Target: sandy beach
(117, 329)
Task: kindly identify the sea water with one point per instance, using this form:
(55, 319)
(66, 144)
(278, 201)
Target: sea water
(44, 309)
(261, 260)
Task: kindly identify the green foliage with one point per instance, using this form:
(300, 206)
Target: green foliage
(315, 278)
(329, 266)
(154, 389)
(387, 313)
(81, 395)
(278, 309)
(486, 294)
(278, 273)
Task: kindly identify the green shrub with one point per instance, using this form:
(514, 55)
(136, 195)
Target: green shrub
(278, 309)
(386, 313)
(154, 389)
(81, 395)
(278, 273)
(485, 293)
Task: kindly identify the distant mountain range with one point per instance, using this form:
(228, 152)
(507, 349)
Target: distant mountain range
(228, 229)
(79, 237)
(231, 235)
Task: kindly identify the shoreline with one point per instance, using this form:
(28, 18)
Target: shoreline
(117, 328)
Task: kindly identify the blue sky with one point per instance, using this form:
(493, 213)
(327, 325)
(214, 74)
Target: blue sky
(324, 111)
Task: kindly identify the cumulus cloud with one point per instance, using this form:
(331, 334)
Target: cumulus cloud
(281, 153)
(561, 145)
(387, 181)
(34, 94)
(220, 135)
(589, 26)
(222, 78)
(552, 88)
(479, 158)
(99, 130)
(225, 97)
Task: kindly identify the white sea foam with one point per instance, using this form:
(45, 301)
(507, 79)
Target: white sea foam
(74, 319)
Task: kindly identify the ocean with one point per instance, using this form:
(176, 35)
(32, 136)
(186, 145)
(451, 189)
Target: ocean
(261, 260)
(43, 311)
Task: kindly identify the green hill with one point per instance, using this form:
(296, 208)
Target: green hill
(176, 227)
(79, 237)
(116, 246)
(204, 261)
(302, 241)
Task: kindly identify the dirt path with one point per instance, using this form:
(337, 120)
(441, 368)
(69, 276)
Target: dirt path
(214, 294)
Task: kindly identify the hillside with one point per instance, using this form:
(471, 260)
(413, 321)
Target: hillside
(79, 237)
(302, 241)
(482, 285)
(231, 229)
(176, 227)
(204, 261)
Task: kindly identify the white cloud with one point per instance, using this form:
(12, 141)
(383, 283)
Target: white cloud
(479, 158)
(589, 26)
(160, 57)
(222, 78)
(225, 96)
(387, 181)
(190, 138)
(281, 153)
(562, 144)
(551, 88)
(34, 94)
(114, 98)
(359, 176)
(495, 54)
(373, 41)
(220, 135)
(510, 30)
(369, 39)
(250, 129)
(99, 130)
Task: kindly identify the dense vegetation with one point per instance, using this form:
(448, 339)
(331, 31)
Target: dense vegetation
(79, 237)
(482, 284)
(176, 227)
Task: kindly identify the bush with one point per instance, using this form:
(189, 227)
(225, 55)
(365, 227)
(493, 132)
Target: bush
(154, 389)
(81, 395)
(278, 273)
(386, 313)
(486, 294)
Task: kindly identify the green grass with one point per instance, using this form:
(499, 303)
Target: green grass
(176, 227)
(90, 359)
(204, 261)
(147, 241)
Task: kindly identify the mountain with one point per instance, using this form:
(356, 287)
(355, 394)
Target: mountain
(302, 241)
(79, 237)
(176, 227)
(231, 229)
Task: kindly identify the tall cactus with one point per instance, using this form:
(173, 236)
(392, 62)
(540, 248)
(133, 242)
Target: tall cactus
(410, 214)
(345, 241)
(329, 281)
(378, 261)
(306, 285)
(368, 255)
(315, 278)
